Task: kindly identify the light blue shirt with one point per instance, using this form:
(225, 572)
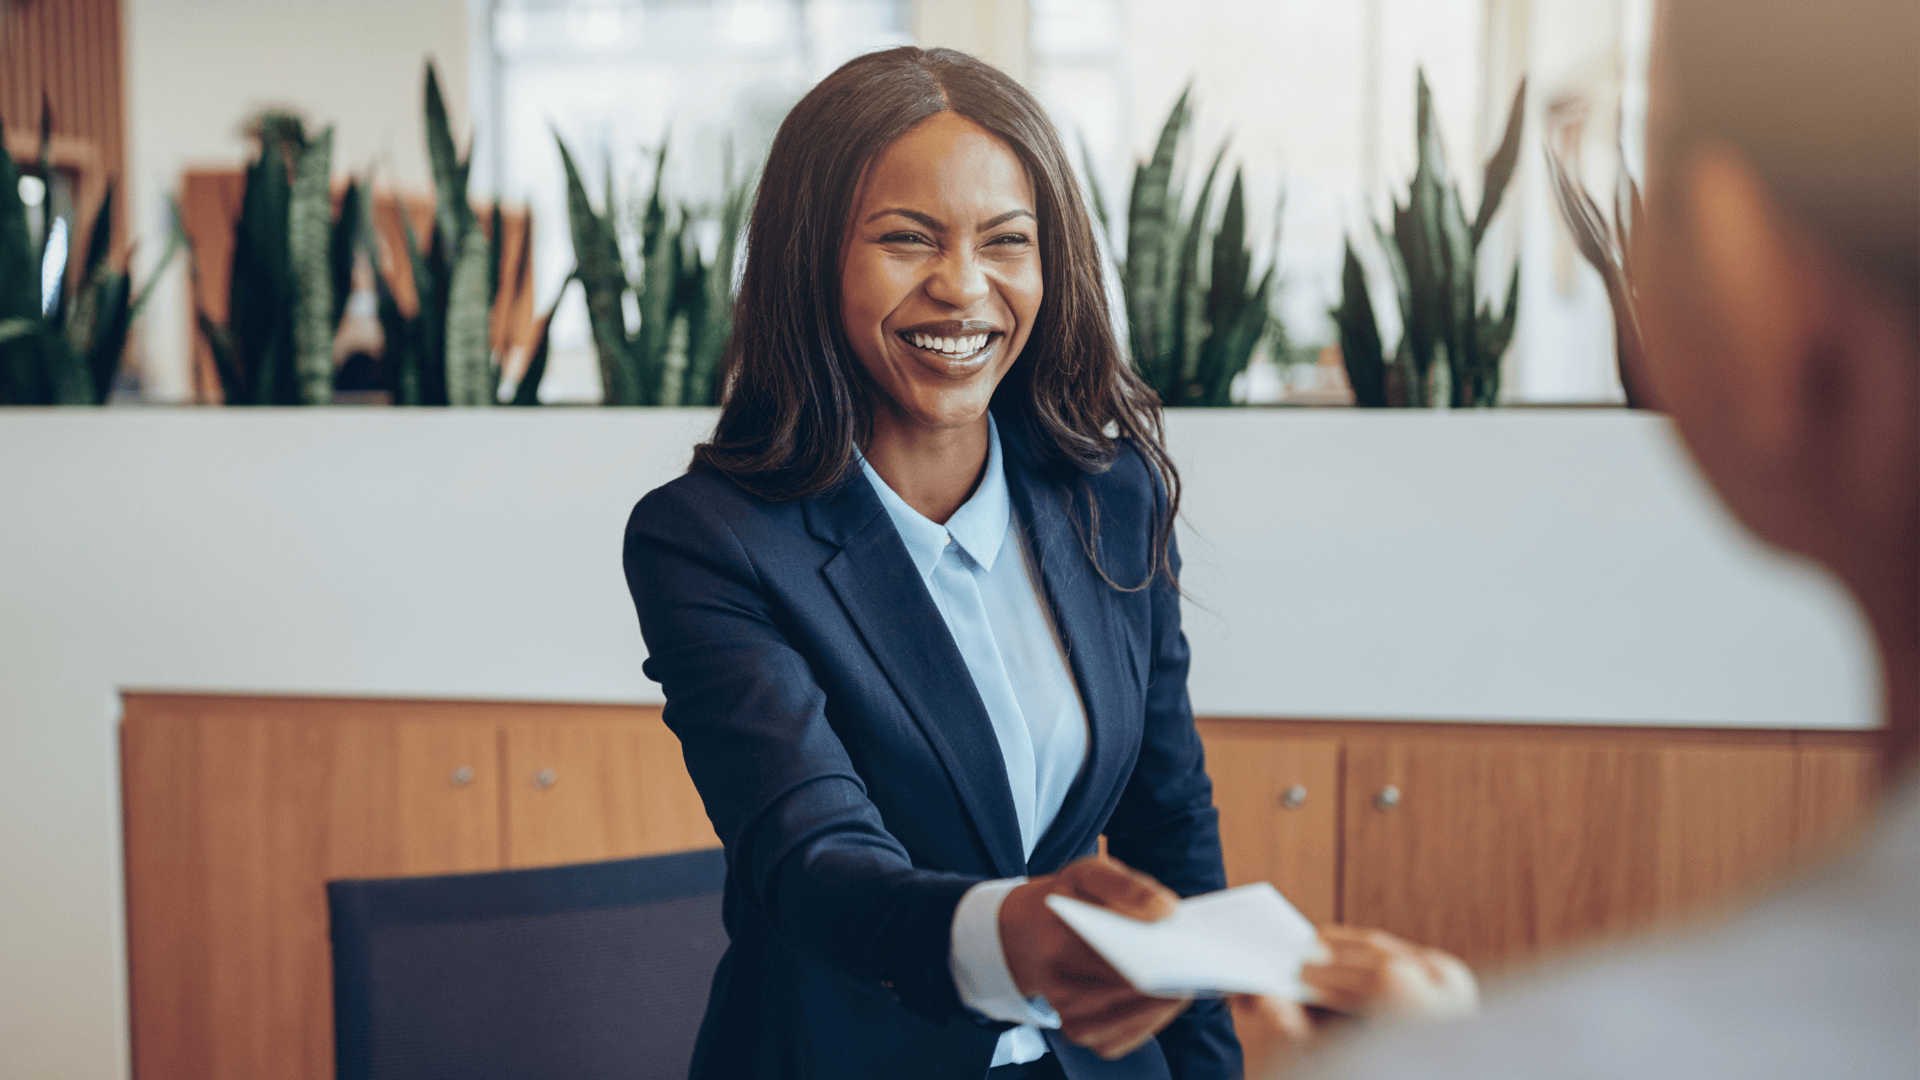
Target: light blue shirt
(982, 580)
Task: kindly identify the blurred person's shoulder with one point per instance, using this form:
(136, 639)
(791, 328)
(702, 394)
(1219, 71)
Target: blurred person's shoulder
(1822, 979)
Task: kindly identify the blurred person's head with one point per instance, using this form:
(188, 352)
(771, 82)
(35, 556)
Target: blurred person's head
(1779, 280)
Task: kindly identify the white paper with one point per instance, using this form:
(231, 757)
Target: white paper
(1247, 940)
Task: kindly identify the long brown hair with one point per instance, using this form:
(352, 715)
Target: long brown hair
(798, 401)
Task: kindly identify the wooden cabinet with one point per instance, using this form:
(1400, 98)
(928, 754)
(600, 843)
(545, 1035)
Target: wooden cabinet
(239, 809)
(1504, 843)
(1496, 842)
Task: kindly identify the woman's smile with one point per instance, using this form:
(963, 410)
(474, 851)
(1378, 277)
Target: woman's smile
(956, 349)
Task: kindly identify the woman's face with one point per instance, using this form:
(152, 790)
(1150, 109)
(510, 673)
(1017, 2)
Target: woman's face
(940, 282)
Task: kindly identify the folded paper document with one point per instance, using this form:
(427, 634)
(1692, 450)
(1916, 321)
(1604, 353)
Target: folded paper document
(1247, 940)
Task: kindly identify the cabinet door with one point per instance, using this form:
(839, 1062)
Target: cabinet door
(1279, 809)
(1728, 823)
(592, 782)
(1834, 789)
(238, 810)
(1494, 848)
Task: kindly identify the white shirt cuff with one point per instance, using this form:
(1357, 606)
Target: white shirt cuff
(979, 963)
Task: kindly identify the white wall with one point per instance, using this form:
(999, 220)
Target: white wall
(1518, 566)
(197, 69)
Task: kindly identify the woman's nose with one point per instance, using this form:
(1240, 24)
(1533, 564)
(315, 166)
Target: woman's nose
(957, 280)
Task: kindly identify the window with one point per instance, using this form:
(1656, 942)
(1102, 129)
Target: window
(1318, 100)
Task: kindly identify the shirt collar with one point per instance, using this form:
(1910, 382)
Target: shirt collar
(979, 526)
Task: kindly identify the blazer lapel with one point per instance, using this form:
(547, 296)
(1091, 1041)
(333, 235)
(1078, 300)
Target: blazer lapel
(882, 592)
(1097, 650)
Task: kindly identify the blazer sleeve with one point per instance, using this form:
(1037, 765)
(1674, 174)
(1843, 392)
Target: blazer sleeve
(806, 850)
(1165, 823)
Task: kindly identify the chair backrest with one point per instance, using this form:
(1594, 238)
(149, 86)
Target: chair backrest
(597, 970)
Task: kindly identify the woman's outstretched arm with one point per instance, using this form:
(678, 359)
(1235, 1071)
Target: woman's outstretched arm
(806, 848)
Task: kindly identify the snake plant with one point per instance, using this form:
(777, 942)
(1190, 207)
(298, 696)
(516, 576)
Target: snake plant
(61, 345)
(1451, 345)
(291, 274)
(440, 353)
(1194, 311)
(673, 356)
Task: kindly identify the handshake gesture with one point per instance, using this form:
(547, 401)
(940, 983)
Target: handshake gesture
(1367, 973)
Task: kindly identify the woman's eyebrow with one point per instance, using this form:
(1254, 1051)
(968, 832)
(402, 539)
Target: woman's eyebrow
(936, 225)
(928, 220)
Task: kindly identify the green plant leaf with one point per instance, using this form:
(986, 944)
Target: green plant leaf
(176, 239)
(17, 329)
(1189, 304)
(44, 164)
(20, 376)
(260, 289)
(1237, 319)
(528, 391)
(449, 175)
(226, 360)
(398, 352)
(1147, 277)
(655, 288)
(100, 236)
(495, 240)
(341, 247)
(469, 373)
(105, 299)
(1360, 346)
(603, 279)
(1500, 166)
(309, 253)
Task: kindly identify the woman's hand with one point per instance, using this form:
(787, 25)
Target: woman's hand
(1371, 973)
(1098, 1008)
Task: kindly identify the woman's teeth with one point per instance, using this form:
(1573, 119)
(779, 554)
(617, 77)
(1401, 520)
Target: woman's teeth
(950, 347)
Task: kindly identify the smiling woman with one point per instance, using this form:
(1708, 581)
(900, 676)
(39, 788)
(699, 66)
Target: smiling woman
(914, 610)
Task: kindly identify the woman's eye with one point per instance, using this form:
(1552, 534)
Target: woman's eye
(1010, 240)
(905, 238)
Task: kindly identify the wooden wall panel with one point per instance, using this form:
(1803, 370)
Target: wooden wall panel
(70, 51)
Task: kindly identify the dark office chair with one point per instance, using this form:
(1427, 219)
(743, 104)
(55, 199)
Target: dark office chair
(593, 971)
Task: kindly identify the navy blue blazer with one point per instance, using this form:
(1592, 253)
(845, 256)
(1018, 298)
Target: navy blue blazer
(851, 771)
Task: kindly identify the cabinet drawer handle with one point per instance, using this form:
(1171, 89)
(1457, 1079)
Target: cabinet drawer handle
(462, 776)
(1294, 797)
(545, 778)
(1388, 798)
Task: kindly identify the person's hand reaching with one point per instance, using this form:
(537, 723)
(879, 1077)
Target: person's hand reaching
(1098, 1008)
(1368, 973)
(1371, 973)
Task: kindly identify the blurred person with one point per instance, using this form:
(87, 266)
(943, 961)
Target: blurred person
(1778, 273)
